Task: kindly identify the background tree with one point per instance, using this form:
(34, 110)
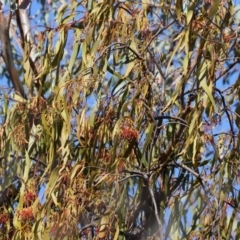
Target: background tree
(125, 122)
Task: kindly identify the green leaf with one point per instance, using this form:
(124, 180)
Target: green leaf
(214, 8)
(144, 5)
(208, 89)
(189, 16)
(193, 123)
(78, 168)
(89, 5)
(52, 180)
(74, 53)
(27, 166)
(179, 9)
(103, 226)
(129, 69)
(175, 95)
(45, 123)
(149, 136)
(186, 62)
(61, 11)
(116, 234)
(181, 37)
(59, 48)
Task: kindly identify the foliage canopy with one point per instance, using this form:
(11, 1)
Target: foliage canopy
(128, 126)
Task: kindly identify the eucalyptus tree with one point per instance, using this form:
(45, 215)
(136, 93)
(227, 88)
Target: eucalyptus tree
(119, 120)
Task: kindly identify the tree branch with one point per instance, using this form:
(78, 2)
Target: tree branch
(7, 56)
(228, 69)
(155, 209)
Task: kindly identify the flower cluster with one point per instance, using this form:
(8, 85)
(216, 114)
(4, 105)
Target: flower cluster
(104, 157)
(26, 214)
(19, 135)
(4, 217)
(130, 134)
(121, 166)
(29, 198)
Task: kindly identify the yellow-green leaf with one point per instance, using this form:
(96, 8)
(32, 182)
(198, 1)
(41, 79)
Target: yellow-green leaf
(214, 8)
(208, 89)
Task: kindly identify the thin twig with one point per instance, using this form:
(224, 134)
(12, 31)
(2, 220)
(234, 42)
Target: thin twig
(170, 117)
(131, 176)
(123, 45)
(190, 170)
(160, 30)
(227, 70)
(91, 225)
(155, 209)
(230, 204)
(161, 73)
(226, 111)
(145, 177)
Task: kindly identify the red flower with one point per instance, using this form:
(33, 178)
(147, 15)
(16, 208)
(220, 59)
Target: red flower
(29, 198)
(26, 214)
(129, 134)
(4, 217)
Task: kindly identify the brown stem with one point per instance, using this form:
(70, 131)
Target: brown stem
(7, 56)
